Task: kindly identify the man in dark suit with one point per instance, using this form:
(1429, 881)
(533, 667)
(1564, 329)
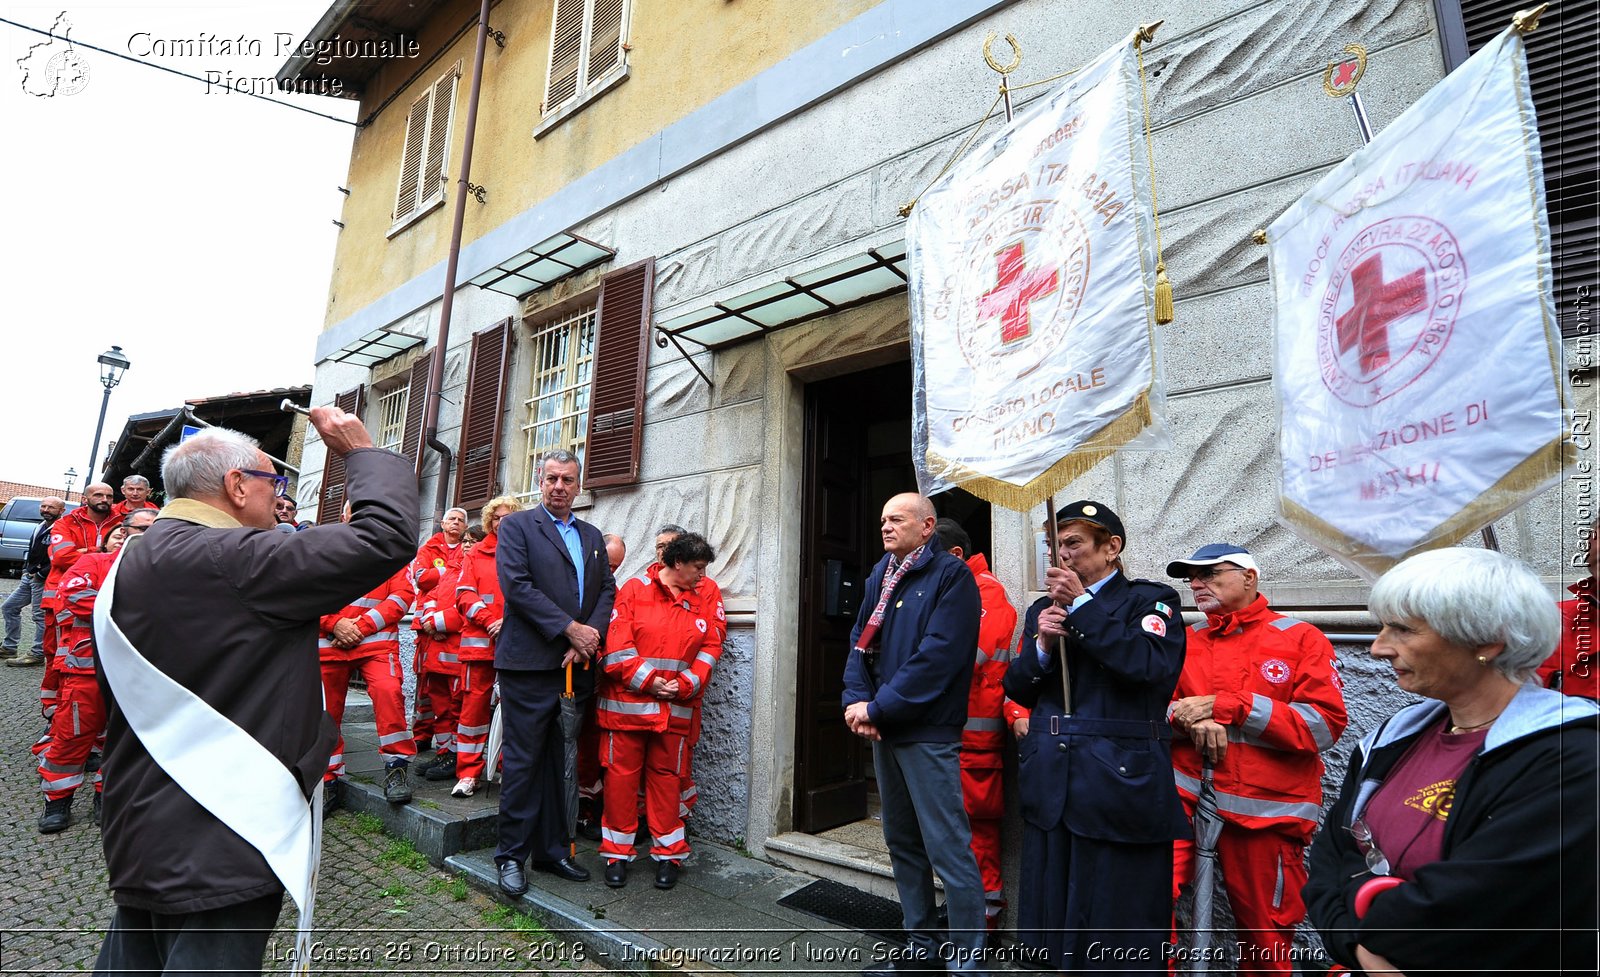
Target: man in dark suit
(558, 590)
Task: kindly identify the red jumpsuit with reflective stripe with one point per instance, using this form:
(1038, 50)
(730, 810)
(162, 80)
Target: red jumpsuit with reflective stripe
(481, 604)
(79, 722)
(1278, 691)
(72, 537)
(377, 616)
(653, 633)
(708, 600)
(434, 713)
(440, 677)
(983, 739)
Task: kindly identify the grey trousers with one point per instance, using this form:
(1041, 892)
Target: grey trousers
(925, 826)
(29, 592)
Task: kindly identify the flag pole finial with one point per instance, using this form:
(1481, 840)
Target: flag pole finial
(1527, 21)
(1147, 32)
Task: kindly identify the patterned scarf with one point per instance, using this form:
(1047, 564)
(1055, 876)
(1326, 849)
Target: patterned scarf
(891, 579)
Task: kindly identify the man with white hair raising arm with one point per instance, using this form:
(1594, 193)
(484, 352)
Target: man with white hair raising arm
(206, 633)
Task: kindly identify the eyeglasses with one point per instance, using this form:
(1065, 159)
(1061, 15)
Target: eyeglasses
(1203, 574)
(1377, 864)
(280, 483)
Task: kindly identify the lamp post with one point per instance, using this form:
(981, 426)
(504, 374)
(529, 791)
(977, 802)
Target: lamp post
(71, 476)
(112, 365)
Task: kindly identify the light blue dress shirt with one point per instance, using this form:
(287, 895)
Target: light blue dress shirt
(569, 535)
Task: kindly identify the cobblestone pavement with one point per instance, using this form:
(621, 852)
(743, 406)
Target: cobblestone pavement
(380, 907)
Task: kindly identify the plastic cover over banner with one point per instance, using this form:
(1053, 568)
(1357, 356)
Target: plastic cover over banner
(1418, 362)
(1032, 265)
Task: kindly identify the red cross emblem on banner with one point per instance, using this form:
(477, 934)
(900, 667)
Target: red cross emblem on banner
(1344, 74)
(1017, 287)
(1378, 303)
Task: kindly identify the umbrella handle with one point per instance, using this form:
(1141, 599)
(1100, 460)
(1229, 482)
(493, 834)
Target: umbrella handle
(568, 693)
(1369, 891)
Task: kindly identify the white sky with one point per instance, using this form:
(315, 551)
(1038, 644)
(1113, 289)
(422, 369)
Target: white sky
(193, 229)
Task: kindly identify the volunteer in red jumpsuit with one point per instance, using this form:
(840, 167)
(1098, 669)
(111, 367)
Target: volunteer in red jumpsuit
(1574, 668)
(365, 637)
(1259, 698)
(983, 739)
(482, 607)
(72, 537)
(433, 721)
(135, 496)
(79, 724)
(661, 648)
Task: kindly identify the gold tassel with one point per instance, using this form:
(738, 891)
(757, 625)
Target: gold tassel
(1163, 295)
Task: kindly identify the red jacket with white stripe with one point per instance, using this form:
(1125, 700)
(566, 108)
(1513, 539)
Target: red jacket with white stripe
(655, 633)
(377, 616)
(79, 588)
(985, 733)
(479, 600)
(442, 651)
(72, 537)
(434, 558)
(1278, 691)
(120, 511)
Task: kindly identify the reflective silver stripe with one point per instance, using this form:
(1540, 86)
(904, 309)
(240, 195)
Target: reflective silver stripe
(671, 664)
(693, 680)
(1319, 727)
(472, 730)
(73, 661)
(65, 783)
(671, 838)
(631, 708)
(394, 738)
(706, 658)
(403, 604)
(689, 794)
(488, 598)
(46, 765)
(85, 592)
(475, 608)
(1260, 712)
(1252, 807)
(324, 643)
(641, 677)
(471, 749)
(476, 642)
(983, 724)
(1277, 887)
(1284, 624)
(364, 602)
(681, 711)
(1199, 626)
(49, 593)
(617, 657)
(623, 839)
(381, 636)
(448, 658)
(1237, 735)
(48, 693)
(376, 617)
(438, 621)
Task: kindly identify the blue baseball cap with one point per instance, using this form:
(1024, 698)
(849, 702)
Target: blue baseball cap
(1210, 555)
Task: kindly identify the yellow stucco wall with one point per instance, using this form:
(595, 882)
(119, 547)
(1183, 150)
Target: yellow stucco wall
(684, 54)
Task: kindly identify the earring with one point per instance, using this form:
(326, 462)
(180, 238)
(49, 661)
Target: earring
(1483, 660)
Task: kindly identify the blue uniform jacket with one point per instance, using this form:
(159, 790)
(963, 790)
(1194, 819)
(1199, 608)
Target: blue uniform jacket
(1106, 772)
(925, 647)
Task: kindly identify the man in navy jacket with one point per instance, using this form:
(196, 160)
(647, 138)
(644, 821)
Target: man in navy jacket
(558, 590)
(905, 688)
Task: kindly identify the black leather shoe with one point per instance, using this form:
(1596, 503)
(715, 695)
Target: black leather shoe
(589, 830)
(442, 767)
(616, 873)
(512, 881)
(666, 874)
(565, 868)
(57, 815)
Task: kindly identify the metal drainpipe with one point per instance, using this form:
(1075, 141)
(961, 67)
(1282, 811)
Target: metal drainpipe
(430, 422)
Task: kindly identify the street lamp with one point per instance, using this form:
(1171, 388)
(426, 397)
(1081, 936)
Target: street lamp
(71, 476)
(112, 365)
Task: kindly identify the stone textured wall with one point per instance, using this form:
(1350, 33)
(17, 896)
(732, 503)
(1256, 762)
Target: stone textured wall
(722, 760)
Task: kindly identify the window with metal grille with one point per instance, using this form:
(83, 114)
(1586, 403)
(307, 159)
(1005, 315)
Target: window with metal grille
(422, 161)
(392, 417)
(587, 47)
(558, 402)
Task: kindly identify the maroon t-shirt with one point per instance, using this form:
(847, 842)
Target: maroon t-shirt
(1407, 814)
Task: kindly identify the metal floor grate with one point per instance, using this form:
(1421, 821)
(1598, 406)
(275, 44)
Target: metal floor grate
(846, 906)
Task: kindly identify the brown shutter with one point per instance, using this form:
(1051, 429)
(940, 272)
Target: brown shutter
(442, 111)
(416, 408)
(566, 48)
(1563, 58)
(605, 39)
(330, 503)
(616, 406)
(478, 460)
(411, 157)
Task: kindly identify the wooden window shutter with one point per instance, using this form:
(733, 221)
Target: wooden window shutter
(566, 53)
(440, 117)
(330, 502)
(411, 157)
(1564, 72)
(478, 459)
(616, 406)
(416, 409)
(605, 44)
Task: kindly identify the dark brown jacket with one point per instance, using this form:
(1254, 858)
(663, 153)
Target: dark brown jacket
(231, 614)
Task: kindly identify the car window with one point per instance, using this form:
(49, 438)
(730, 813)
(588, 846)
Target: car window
(24, 509)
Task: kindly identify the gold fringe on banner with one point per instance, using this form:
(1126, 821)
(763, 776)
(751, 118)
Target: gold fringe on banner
(1021, 498)
(1163, 308)
(1501, 497)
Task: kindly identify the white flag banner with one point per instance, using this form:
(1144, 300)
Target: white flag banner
(1032, 266)
(1418, 363)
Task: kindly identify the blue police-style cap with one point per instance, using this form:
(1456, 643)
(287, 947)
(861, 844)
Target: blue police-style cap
(1089, 511)
(1210, 555)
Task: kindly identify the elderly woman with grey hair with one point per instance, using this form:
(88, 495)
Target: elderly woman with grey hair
(1465, 836)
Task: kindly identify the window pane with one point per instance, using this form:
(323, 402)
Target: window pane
(558, 403)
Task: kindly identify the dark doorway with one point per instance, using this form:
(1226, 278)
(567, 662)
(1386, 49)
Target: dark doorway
(857, 455)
